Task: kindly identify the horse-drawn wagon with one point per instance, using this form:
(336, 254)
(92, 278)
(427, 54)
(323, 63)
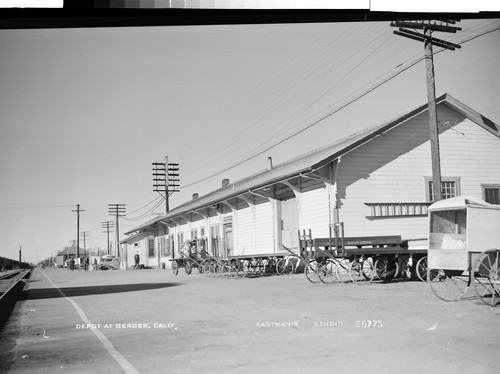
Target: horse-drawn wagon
(464, 249)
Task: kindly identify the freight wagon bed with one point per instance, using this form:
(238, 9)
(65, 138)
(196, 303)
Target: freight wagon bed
(366, 258)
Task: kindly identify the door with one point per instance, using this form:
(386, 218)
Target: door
(289, 223)
(228, 239)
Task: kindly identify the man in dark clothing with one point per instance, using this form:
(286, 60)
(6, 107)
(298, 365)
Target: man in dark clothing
(137, 259)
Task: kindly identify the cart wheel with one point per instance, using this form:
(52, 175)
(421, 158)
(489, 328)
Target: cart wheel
(386, 268)
(448, 285)
(327, 271)
(362, 271)
(487, 284)
(311, 272)
(175, 267)
(422, 269)
(343, 265)
(407, 270)
(187, 267)
(208, 270)
(284, 266)
(229, 270)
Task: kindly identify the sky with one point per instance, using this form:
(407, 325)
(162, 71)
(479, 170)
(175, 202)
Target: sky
(85, 112)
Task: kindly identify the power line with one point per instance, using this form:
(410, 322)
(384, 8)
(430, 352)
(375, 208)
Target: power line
(37, 207)
(392, 74)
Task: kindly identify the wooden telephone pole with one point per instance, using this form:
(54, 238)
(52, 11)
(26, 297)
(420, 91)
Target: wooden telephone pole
(78, 210)
(428, 27)
(166, 179)
(117, 210)
(108, 225)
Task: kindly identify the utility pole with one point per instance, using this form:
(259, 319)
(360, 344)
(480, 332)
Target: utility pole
(108, 225)
(117, 210)
(428, 27)
(78, 210)
(85, 233)
(166, 179)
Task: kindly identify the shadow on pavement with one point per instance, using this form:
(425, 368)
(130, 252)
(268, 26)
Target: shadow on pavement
(49, 293)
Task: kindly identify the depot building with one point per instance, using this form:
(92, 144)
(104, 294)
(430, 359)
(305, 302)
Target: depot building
(374, 182)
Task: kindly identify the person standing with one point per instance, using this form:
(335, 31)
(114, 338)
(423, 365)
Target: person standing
(137, 260)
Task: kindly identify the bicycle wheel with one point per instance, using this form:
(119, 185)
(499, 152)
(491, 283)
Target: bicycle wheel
(175, 267)
(311, 272)
(386, 268)
(448, 285)
(421, 269)
(487, 285)
(327, 271)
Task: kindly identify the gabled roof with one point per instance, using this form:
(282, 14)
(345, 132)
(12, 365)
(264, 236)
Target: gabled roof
(316, 159)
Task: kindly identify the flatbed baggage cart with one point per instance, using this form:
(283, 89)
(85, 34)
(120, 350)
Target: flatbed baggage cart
(358, 259)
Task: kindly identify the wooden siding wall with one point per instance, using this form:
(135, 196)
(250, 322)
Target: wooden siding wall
(244, 241)
(314, 212)
(264, 227)
(392, 168)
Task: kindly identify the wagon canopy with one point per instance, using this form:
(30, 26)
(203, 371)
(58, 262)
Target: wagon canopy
(461, 202)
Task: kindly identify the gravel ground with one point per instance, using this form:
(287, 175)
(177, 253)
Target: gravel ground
(150, 321)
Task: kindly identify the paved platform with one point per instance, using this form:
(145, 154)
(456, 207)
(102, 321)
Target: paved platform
(150, 321)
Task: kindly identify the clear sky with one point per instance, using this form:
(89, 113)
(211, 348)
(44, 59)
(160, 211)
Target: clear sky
(85, 112)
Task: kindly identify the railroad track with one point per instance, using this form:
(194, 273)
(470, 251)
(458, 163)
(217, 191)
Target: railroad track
(11, 285)
(12, 281)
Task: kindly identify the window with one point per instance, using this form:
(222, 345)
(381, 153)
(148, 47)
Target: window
(491, 193)
(449, 222)
(166, 245)
(151, 247)
(450, 187)
(180, 239)
(448, 229)
(163, 246)
(194, 233)
(214, 233)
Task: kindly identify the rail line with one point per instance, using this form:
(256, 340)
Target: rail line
(11, 282)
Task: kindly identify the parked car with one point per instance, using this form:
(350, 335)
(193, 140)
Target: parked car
(109, 262)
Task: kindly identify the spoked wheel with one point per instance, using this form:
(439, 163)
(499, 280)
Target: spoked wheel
(343, 265)
(448, 285)
(284, 266)
(386, 268)
(230, 270)
(327, 271)
(175, 267)
(311, 272)
(421, 269)
(238, 269)
(362, 270)
(253, 267)
(206, 268)
(187, 267)
(407, 270)
(487, 284)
